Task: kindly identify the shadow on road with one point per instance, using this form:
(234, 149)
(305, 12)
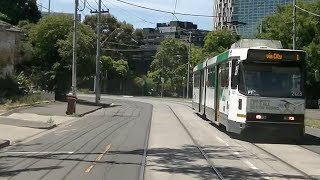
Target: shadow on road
(184, 161)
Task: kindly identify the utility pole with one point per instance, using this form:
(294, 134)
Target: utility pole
(74, 59)
(189, 57)
(161, 78)
(49, 7)
(294, 25)
(97, 78)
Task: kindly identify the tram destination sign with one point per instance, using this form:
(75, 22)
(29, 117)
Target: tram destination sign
(274, 56)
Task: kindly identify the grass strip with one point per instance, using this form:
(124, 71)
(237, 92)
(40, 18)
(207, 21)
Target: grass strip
(312, 123)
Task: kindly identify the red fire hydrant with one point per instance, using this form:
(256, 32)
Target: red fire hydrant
(71, 108)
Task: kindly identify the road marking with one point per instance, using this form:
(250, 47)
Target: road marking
(98, 158)
(127, 96)
(250, 165)
(236, 153)
(44, 152)
(222, 141)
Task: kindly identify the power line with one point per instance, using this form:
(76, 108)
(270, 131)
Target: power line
(167, 12)
(174, 11)
(142, 19)
(122, 44)
(307, 11)
(91, 7)
(45, 8)
(104, 5)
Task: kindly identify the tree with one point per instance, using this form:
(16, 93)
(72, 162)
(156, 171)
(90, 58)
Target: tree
(170, 63)
(278, 27)
(219, 41)
(51, 40)
(14, 11)
(121, 69)
(115, 35)
(198, 56)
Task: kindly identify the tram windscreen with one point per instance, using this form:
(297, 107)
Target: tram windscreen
(271, 81)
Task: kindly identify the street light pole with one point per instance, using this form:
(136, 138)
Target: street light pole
(294, 25)
(189, 57)
(74, 59)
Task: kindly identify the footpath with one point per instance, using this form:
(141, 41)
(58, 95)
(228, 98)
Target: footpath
(19, 124)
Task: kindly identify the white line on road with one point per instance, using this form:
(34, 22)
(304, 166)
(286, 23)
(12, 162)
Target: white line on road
(250, 165)
(33, 152)
(236, 153)
(222, 141)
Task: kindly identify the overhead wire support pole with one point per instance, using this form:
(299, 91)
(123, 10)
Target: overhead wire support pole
(188, 69)
(97, 78)
(49, 6)
(74, 59)
(294, 14)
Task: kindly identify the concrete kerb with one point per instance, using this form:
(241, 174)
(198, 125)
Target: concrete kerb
(23, 106)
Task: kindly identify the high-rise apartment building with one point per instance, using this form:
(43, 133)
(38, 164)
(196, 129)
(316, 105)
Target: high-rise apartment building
(244, 16)
(223, 10)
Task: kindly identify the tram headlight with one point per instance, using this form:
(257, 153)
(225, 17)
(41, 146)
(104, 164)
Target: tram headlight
(259, 116)
(289, 118)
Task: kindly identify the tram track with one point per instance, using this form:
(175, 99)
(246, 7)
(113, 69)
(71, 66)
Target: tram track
(196, 144)
(305, 175)
(282, 161)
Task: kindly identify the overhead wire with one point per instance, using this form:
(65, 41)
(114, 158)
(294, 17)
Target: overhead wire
(142, 19)
(45, 8)
(91, 7)
(167, 12)
(304, 10)
(122, 44)
(174, 11)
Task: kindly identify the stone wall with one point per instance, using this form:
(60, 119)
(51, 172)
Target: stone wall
(10, 46)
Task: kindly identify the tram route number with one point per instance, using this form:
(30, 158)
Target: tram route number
(296, 93)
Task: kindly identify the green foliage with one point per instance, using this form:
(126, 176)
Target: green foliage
(139, 82)
(50, 41)
(170, 63)
(15, 86)
(198, 55)
(4, 17)
(121, 68)
(218, 41)
(86, 41)
(14, 11)
(106, 64)
(116, 34)
(279, 27)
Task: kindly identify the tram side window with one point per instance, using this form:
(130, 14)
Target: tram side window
(211, 74)
(225, 74)
(196, 80)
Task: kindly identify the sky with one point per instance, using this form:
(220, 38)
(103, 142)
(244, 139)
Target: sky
(142, 18)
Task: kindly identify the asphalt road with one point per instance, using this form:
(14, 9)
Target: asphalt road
(108, 144)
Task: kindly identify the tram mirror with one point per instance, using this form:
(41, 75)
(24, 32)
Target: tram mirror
(236, 70)
(234, 74)
(317, 75)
